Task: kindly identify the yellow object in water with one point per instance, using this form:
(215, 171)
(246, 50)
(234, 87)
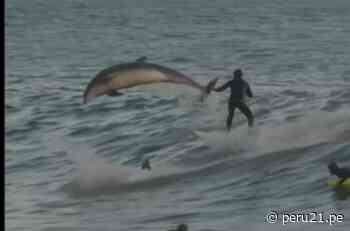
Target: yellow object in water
(344, 186)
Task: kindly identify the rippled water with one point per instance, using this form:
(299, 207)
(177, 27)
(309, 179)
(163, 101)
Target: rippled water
(71, 166)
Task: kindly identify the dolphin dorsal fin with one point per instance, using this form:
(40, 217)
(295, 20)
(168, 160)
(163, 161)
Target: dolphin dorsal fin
(146, 165)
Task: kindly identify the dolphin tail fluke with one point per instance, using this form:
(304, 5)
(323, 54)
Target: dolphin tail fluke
(211, 85)
(208, 88)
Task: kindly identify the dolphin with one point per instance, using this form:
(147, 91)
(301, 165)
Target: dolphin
(126, 75)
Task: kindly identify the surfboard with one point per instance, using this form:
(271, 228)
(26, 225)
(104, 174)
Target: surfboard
(344, 186)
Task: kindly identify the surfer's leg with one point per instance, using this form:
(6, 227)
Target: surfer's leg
(231, 113)
(247, 112)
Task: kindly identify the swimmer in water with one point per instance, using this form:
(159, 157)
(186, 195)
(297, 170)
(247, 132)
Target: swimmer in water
(341, 173)
(239, 88)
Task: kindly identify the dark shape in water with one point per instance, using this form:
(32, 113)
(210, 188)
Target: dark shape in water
(181, 227)
(141, 59)
(342, 173)
(146, 165)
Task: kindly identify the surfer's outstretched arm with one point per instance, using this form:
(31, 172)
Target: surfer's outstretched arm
(223, 87)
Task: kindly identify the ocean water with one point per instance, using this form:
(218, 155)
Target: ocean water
(71, 166)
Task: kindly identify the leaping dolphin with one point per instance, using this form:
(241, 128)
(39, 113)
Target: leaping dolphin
(126, 75)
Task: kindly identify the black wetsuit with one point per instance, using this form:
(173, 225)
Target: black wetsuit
(342, 173)
(239, 88)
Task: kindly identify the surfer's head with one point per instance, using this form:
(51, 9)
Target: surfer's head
(146, 165)
(333, 167)
(237, 74)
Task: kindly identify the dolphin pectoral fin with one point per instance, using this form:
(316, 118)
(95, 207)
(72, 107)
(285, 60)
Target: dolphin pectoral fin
(114, 93)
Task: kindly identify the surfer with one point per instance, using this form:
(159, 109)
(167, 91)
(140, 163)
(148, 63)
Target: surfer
(146, 165)
(342, 173)
(239, 88)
